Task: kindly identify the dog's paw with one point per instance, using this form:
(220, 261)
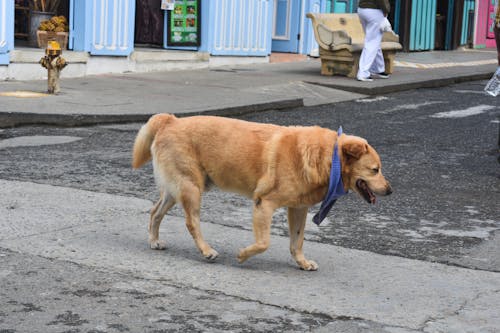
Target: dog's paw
(241, 256)
(211, 255)
(158, 245)
(308, 265)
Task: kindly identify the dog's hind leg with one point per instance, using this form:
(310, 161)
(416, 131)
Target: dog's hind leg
(262, 217)
(157, 213)
(191, 199)
(296, 224)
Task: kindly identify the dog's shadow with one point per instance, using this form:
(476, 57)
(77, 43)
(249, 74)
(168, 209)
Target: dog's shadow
(227, 258)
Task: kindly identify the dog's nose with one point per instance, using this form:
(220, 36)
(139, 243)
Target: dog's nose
(388, 190)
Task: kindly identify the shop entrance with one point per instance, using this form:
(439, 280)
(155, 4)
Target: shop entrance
(27, 21)
(149, 23)
(452, 21)
(441, 25)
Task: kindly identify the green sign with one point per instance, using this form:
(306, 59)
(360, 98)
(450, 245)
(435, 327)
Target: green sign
(184, 23)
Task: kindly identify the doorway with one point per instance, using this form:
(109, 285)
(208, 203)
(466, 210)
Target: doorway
(149, 21)
(26, 25)
(449, 30)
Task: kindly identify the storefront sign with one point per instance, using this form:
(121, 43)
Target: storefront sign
(184, 23)
(167, 4)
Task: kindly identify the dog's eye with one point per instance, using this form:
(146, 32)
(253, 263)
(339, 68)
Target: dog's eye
(375, 170)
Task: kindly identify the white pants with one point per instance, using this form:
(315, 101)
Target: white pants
(372, 59)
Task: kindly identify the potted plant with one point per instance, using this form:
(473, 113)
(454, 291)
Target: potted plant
(54, 29)
(40, 10)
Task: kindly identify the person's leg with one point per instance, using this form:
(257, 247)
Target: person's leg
(371, 57)
(378, 65)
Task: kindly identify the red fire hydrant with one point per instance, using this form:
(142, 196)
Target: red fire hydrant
(54, 64)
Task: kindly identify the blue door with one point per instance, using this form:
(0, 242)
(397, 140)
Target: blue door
(286, 36)
(6, 30)
(112, 27)
(240, 28)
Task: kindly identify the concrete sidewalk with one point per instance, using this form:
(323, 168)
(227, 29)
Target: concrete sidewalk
(108, 232)
(226, 90)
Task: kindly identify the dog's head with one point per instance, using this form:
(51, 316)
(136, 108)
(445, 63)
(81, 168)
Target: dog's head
(362, 169)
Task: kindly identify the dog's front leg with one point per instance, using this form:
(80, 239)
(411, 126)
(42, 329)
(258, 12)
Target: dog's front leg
(296, 224)
(262, 216)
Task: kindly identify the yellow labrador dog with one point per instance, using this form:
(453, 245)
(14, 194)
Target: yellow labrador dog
(275, 166)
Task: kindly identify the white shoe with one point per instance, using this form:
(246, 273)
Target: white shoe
(365, 79)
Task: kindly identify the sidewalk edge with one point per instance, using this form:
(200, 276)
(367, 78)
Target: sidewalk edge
(15, 119)
(397, 87)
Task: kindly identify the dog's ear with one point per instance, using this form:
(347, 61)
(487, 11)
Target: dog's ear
(354, 147)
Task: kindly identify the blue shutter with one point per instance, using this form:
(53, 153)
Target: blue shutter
(240, 27)
(112, 31)
(6, 30)
(397, 14)
(423, 25)
(71, 20)
(449, 24)
(469, 5)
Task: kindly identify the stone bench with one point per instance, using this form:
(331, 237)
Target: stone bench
(341, 38)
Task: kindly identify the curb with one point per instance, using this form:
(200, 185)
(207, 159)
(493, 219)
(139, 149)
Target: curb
(15, 119)
(397, 87)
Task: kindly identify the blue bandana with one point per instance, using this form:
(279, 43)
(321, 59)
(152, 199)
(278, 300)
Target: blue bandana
(335, 186)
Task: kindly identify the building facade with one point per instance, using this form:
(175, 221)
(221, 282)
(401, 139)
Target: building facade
(484, 21)
(243, 28)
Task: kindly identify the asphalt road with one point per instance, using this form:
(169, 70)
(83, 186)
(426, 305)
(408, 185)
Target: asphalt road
(439, 149)
(444, 172)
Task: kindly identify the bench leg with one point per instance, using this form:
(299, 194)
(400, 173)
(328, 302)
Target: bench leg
(340, 65)
(348, 66)
(355, 65)
(389, 57)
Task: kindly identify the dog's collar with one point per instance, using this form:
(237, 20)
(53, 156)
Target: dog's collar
(335, 186)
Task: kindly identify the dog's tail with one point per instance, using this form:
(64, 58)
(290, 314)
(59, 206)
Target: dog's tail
(145, 137)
